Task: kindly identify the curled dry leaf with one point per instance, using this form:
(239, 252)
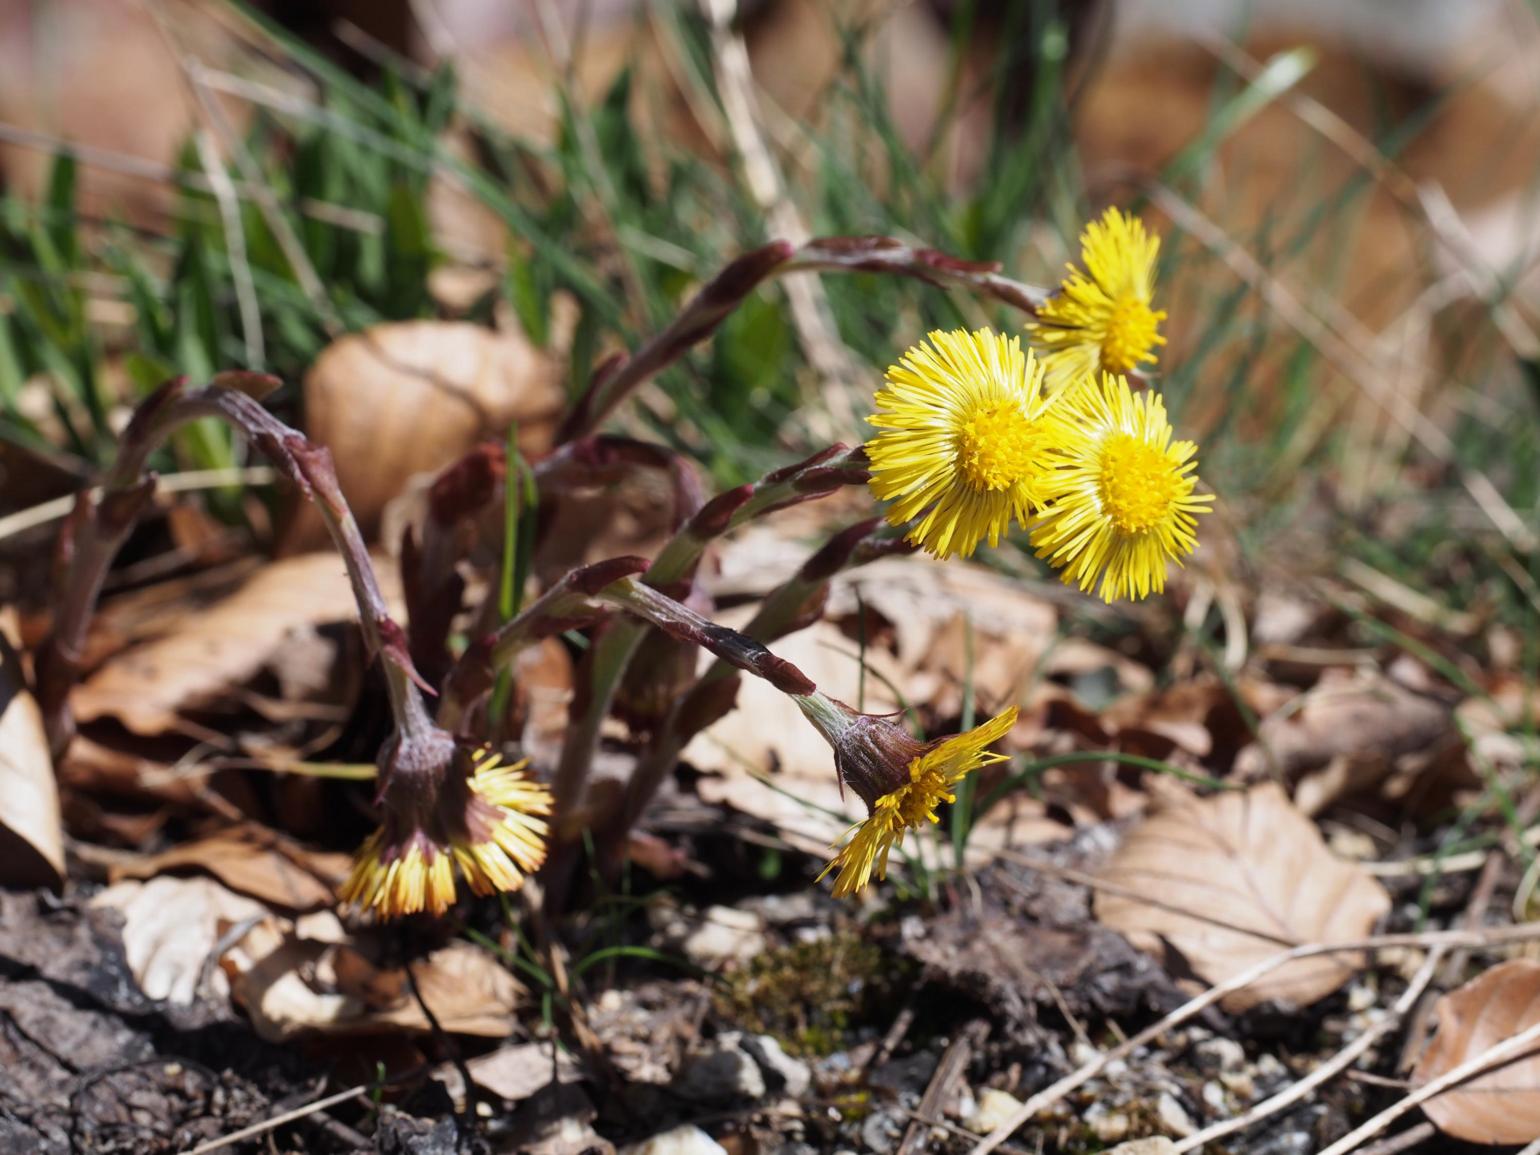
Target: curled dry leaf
(31, 835)
(411, 396)
(312, 977)
(255, 862)
(1350, 732)
(1235, 879)
(171, 927)
(517, 1071)
(1502, 1105)
(205, 654)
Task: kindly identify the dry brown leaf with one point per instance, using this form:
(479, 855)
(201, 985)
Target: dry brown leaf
(312, 978)
(1257, 878)
(1503, 1105)
(252, 861)
(518, 1071)
(412, 396)
(31, 832)
(225, 645)
(170, 929)
(1367, 718)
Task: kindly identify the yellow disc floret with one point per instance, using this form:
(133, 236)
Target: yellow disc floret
(962, 449)
(1102, 318)
(1123, 506)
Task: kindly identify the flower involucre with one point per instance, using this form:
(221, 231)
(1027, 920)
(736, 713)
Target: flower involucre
(1102, 318)
(963, 445)
(1122, 505)
(493, 831)
(932, 774)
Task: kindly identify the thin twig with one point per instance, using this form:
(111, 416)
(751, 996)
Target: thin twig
(193, 479)
(1509, 1049)
(277, 1121)
(810, 313)
(235, 245)
(1409, 1138)
(1329, 1069)
(1497, 936)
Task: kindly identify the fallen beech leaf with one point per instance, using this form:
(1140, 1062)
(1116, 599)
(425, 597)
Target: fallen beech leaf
(517, 1072)
(313, 979)
(225, 645)
(1368, 719)
(1502, 1105)
(1252, 862)
(249, 860)
(170, 928)
(931, 608)
(411, 396)
(31, 834)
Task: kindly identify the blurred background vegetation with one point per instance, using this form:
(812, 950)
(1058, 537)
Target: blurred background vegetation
(1346, 192)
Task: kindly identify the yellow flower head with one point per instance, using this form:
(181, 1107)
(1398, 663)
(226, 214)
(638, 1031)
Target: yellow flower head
(932, 774)
(1102, 319)
(491, 830)
(1123, 504)
(962, 445)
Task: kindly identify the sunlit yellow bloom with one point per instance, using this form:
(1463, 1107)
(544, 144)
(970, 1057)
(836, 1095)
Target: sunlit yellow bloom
(493, 831)
(513, 837)
(1102, 318)
(962, 446)
(932, 774)
(1123, 504)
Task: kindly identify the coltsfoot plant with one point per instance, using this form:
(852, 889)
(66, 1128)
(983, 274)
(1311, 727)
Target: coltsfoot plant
(1053, 431)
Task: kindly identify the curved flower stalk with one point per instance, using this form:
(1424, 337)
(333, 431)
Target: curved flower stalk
(441, 811)
(1123, 504)
(1102, 318)
(902, 781)
(964, 446)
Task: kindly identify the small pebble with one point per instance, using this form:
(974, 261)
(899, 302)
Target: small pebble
(1219, 1054)
(1160, 1145)
(725, 934)
(721, 1074)
(1172, 1116)
(686, 1140)
(1361, 997)
(1240, 1084)
(782, 1072)
(994, 1108)
(1107, 1125)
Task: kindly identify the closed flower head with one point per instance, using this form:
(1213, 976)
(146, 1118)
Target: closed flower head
(1102, 318)
(489, 824)
(962, 446)
(1123, 503)
(912, 795)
